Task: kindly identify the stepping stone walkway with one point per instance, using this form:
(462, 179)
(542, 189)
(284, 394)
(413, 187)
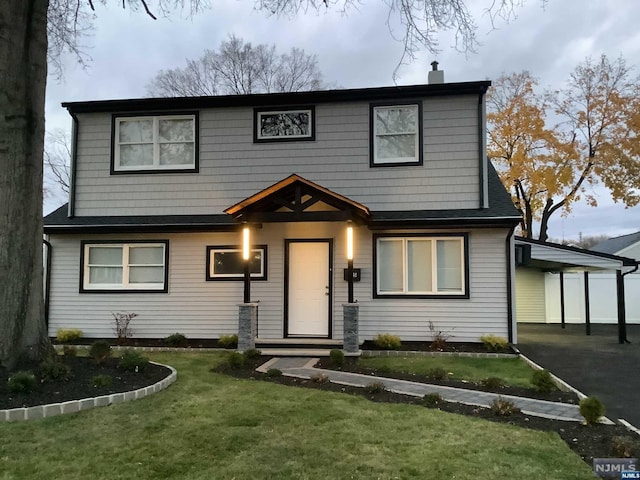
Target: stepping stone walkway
(304, 368)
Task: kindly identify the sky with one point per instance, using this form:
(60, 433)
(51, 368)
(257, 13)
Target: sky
(357, 49)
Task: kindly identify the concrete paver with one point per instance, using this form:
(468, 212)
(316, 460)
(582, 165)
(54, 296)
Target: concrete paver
(303, 368)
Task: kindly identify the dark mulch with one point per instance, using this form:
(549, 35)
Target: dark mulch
(352, 365)
(80, 384)
(442, 347)
(147, 342)
(587, 441)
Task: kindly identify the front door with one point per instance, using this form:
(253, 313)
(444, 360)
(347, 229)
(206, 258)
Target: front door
(308, 288)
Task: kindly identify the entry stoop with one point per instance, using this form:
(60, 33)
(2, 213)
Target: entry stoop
(298, 347)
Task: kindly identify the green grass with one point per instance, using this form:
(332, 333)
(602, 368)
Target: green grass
(210, 426)
(512, 370)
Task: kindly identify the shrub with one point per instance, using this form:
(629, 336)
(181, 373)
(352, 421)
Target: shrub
(432, 399)
(542, 381)
(100, 351)
(22, 382)
(622, 447)
(228, 341)
(176, 340)
(133, 361)
(53, 370)
(337, 357)
(437, 373)
(64, 335)
(493, 383)
(438, 337)
(494, 343)
(375, 388)
(591, 408)
(251, 354)
(386, 341)
(274, 372)
(319, 378)
(101, 381)
(69, 351)
(235, 360)
(122, 329)
(503, 408)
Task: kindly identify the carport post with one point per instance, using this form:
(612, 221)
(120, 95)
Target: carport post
(622, 316)
(587, 312)
(562, 299)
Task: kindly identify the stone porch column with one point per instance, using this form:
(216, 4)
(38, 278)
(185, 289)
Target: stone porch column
(351, 342)
(247, 326)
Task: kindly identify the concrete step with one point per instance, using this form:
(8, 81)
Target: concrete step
(298, 352)
(298, 343)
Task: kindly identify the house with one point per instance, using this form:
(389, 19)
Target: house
(163, 191)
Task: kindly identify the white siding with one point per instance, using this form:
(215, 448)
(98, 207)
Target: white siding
(530, 295)
(201, 309)
(232, 167)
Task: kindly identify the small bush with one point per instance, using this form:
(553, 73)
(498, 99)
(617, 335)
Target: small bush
(64, 335)
(100, 351)
(319, 378)
(591, 408)
(386, 341)
(133, 361)
(503, 408)
(228, 341)
(494, 343)
(53, 371)
(251, 354)
(438, 337)
(542, 381)
(176, 340)
(69, 351)
(235, 360)
(437, 373)
(384, 370)
(101, 381)
(493, 383)
(122, 327)
(375, 388)
(432, 399)
(622, 447)
(337, 357)
(274, 372)
(22, 382)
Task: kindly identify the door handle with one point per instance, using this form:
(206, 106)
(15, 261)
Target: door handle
(327, 292)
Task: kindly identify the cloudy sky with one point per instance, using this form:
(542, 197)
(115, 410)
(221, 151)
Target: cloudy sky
(357, 50)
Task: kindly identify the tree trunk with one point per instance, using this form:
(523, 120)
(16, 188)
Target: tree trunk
(23, 76)
(544, 226)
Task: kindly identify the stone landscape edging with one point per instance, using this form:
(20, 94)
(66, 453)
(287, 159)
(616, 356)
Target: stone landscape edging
(73, 406)
(418, 353)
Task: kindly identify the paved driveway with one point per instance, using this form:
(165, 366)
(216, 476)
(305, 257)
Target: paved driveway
(596, 365)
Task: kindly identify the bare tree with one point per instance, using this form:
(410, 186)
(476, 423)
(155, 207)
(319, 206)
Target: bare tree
(24, 28)
(57, 158)
(238, 68)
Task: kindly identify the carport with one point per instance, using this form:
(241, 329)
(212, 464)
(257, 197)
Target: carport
(534, 257)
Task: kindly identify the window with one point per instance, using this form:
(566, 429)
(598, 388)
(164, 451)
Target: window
(283, 124)
(139, 266)
(396, 137)
(155, 143)
(226, 263)
(421, 266)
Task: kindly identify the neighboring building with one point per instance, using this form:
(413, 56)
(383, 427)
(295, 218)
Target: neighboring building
(162, 187)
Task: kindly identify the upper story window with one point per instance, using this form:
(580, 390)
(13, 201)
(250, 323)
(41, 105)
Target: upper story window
(155, 143)
(396, 135)
(284, 124)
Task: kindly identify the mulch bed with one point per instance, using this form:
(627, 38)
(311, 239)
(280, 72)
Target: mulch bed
(80, 384)
(352, 365)
(452, 347)
(588, 442)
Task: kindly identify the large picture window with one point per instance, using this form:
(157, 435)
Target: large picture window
(125, 266)
(155, 143)
(421, 266)
(396, 135)
(226, 263)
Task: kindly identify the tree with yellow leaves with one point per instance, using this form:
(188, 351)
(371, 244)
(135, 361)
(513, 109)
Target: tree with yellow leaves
(594, 139)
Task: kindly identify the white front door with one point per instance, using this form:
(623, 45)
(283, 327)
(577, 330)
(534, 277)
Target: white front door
(308, 288)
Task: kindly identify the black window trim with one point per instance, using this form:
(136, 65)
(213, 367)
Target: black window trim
(407, 296)
(420, 133)
(165, 289)
(261, 278)
(310, 138)
(196, 166)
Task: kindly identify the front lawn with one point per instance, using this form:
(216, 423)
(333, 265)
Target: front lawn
(211, 426)
(513, 371)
